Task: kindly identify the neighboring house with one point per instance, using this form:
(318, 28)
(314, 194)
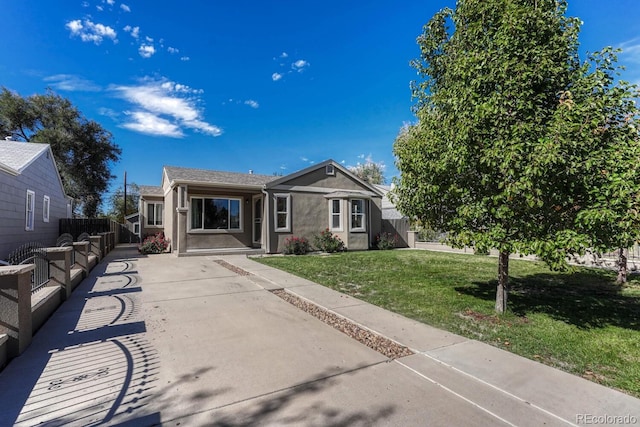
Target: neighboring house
(132, 221)
(393, 221)
(32, 199)
(200, 210)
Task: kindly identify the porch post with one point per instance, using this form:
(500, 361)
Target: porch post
(15, 307)
(181, 244)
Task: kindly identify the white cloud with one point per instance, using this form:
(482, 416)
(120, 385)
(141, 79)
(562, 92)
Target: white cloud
(163, 107)
(631, 50)
(100, 8)
(110, 2)
(71, 82)
(125, 7)
(172, 50)
(251, 103)
(151, 124)
(134, 31)
(185, 58)
(146, 50)
(300, 65)
(276, 76)
(85, 4)
(149, 39)
(284, 55)
(89, 31)
(108, 112)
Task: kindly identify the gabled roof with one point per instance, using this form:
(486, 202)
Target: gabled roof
(316, 166)
(150, 190)
(18, 155)
(178, 175)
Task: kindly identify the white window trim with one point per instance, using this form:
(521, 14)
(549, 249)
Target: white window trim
(146, 212)
(30, 209)
(330, 170)
(46, 208)
(364, 216)
(340, 215)
(286, 229)
(215, 230)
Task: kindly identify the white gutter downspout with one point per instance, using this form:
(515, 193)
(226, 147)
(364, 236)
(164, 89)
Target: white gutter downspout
(266, 221)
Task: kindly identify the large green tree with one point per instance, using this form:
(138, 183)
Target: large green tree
(83, 149)
(491, 157)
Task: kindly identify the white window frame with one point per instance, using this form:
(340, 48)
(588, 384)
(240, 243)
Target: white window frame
(153, 222)
(46, 207)
(217, 230)
(362, 214)
(332, 214)
(136, 228)
(287, 228)
(330, 170)
(69, 210)
(30, 210)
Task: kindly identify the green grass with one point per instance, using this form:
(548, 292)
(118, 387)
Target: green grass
(579, 321)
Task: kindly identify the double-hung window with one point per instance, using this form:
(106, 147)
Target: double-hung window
(30, 210)
(283, 212)
(357, 215)
(154, 214)
(45, 208)
(335, 214)
(215, 213)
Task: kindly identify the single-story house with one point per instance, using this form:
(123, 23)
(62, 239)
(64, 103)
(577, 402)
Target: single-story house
(32, 198)
(205, 210)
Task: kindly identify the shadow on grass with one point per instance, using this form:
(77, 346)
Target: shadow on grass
(586, 299)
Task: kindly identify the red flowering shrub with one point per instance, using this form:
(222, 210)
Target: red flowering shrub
(156, 244)
(296, 246)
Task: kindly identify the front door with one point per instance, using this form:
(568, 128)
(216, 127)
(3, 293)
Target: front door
(257, 220)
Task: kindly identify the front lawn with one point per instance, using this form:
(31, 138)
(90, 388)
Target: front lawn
(578, 321)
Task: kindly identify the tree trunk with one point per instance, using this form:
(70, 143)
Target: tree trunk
(622, 266)
(502, 292)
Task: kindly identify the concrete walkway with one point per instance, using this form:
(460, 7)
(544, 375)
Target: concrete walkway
(185, 341)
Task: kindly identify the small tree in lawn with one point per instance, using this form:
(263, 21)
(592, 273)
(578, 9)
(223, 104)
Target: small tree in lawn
(518, 146)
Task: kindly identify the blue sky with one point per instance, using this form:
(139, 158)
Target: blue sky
(267, 86)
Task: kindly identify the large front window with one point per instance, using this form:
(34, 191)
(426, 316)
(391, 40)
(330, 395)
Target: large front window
(357, 215)
(154, 214)
(215, 213)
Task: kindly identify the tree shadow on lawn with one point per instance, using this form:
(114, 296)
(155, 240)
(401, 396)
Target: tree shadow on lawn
(584, 299)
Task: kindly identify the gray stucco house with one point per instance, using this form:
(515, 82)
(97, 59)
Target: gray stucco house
(32, 199)
(204, 210)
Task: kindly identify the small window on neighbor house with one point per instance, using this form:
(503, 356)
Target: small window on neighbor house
(69, 210)
(154, 214)
(45, 208)
(283, 212)
(136, 228)
(30, 210)
(330, 170)
(357, 215)
(335, 214)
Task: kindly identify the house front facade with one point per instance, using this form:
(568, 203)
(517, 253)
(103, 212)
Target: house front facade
(203, 210)
(32, 198)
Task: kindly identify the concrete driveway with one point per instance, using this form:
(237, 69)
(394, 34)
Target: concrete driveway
(186, 341)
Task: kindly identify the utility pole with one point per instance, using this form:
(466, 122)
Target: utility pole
(124, 214)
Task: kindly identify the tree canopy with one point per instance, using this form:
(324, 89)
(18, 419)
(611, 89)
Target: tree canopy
(117, 210)
(83, 149)
(513, 134)
(370, 171)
